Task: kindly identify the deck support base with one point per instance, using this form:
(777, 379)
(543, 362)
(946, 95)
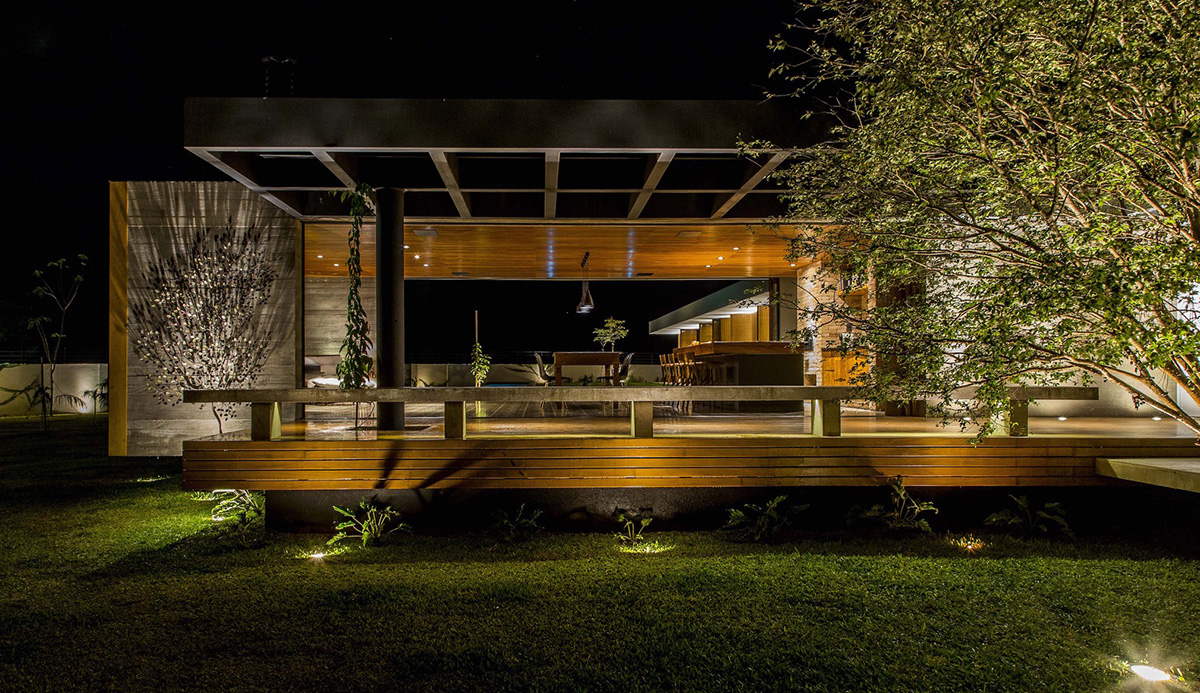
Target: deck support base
(641, 419)
(456, 421)
(1018, 417)
(266, 423)
(827, 417)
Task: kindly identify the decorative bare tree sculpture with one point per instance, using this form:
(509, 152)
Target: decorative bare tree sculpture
(199, 322)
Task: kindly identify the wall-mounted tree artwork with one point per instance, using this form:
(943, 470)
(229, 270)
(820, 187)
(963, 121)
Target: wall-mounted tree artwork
(199, 324)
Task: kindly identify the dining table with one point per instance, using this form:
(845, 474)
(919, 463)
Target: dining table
(611, 361)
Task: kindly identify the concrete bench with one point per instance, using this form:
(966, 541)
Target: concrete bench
(1019, 397)
(265, 419)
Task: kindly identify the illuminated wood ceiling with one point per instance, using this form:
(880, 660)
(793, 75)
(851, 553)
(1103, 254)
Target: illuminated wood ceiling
(555, 251)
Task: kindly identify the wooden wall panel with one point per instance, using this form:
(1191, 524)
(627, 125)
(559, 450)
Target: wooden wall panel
(118, 317)
(678, 462)
(554, 250)
(744, 327)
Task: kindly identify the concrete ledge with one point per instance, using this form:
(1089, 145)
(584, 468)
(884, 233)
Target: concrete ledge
(1177, 473)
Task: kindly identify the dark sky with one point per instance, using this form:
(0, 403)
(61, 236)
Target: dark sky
(96, 94)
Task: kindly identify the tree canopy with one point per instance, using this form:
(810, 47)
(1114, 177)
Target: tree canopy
(1020, 183)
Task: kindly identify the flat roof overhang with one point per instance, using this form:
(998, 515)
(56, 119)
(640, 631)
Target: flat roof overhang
(495, 161)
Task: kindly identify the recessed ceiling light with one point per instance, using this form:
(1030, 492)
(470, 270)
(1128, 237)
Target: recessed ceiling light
(1156, 418)
(708, 265)
(792, 265)
(335, 264)
(320, 257)
(736, 248)
(720, 257)
(406, 247)
(416, 257)
(426, 264)
(1062, 418)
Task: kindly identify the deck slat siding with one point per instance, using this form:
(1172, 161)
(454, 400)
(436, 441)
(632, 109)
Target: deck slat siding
(576, 462)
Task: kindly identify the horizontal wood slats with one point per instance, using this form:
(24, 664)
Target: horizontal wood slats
(515, 463)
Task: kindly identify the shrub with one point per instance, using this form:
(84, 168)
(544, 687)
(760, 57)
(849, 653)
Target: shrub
(373, 522)
(238, 511)
(632, 528)
(761, 522)
(1048, 519)
(517, 525)
(904, 513)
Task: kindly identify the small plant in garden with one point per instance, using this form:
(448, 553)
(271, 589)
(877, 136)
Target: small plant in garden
(1027, 519)
(238, 511)
(517, 525)
(632, 528)
(372, 522)
(481, 364)
(99, 397)
(610, 333)
(754, 522)
(60, 283)
(904, 512)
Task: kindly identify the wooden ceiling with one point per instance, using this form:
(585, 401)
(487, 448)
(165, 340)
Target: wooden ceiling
(555, 251)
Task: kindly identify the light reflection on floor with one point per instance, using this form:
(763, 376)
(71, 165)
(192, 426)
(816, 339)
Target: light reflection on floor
(425, 421)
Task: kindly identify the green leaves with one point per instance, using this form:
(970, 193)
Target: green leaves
(481, 364)
(611, 332)
(1019, 186)
(354, 369)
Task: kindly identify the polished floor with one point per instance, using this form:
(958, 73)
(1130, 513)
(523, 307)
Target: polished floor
(425, 421)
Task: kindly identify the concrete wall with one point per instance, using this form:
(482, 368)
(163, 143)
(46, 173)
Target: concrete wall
(325, 312)
(163, 216)
(69, 378)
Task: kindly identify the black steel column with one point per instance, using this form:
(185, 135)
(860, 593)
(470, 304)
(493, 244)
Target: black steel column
(389, 301)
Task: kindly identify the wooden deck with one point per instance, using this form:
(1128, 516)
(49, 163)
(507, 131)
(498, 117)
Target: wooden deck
(702, 451)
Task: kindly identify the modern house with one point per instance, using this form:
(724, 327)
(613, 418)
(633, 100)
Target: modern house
(502, 189)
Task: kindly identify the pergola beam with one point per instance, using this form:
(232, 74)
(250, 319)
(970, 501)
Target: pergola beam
(751, 182)
(447, 168)
(238, 167)
(653, 176)
(552, 161)
(342, 166)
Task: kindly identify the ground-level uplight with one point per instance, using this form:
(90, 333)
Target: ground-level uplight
(1149, 673)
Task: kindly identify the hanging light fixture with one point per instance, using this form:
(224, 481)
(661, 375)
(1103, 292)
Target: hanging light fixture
(585, 301)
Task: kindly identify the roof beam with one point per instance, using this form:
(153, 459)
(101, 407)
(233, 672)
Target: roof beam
(753, 180)
(447, 168)
(343, 166)
(653, 176)
(552, 162)
(238, 167)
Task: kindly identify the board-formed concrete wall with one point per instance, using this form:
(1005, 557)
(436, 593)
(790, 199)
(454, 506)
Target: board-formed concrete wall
(325, 312)
(163, 217)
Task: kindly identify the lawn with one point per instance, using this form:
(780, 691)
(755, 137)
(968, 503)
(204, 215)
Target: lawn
(115, 579)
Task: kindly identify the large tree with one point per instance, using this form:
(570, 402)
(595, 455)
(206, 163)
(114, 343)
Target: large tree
(1020, 182)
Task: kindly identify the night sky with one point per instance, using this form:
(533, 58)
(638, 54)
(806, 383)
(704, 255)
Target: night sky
(97, 94)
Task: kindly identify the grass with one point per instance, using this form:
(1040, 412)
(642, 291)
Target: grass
(113, 583)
